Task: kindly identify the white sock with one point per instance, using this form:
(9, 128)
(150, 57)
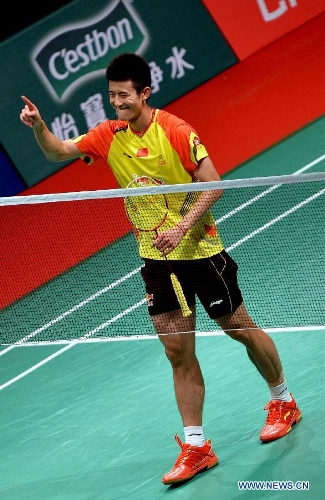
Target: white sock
(194, 435)
(280, 392)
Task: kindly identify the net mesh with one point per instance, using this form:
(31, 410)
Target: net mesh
(70, 265)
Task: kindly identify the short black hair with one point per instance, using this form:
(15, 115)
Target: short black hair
(129, 66)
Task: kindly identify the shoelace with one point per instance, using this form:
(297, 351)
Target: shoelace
(189, 456)
(274, 412)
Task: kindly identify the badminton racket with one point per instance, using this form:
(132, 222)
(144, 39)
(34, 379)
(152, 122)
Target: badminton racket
(148, 213)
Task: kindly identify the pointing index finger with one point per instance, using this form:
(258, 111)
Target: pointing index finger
(28, 102)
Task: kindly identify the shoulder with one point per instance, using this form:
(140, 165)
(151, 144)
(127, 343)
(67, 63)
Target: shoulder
(168, 120)
(177, 130)
(174, 126)
(110, 126)
(97, 141)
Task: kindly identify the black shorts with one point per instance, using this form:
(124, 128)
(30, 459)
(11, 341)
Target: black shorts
(213, 280)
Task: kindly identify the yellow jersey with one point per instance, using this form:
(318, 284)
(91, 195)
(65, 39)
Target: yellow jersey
(168, 151)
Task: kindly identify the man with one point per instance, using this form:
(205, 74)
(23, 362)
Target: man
(175, 155)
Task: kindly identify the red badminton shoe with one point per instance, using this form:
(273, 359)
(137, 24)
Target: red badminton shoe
(191, 461)
(282, 415)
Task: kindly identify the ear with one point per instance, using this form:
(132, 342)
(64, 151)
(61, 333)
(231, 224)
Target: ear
(146, 93)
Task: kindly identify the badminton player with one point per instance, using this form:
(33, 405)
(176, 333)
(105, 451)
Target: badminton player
(144, 141)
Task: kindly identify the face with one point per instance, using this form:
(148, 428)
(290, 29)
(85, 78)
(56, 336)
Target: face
(125, 100)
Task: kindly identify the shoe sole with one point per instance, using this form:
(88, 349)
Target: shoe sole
(187, 478)
(295, 421)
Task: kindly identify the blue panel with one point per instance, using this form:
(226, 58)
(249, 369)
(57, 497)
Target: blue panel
(10, 181)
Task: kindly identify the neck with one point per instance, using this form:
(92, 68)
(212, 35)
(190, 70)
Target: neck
(142, 122)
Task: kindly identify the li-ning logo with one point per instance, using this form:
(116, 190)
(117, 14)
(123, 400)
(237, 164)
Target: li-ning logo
(68, 57)
(216, 303)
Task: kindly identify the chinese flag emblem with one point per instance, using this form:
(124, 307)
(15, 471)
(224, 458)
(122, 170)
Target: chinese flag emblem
(142, 153)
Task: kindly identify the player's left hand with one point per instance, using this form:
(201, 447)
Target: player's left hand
(168, 240)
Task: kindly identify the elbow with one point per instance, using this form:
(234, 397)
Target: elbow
(53, 156)
(220, 193)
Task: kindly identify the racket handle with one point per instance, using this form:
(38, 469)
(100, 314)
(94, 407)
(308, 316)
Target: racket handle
(180, 295)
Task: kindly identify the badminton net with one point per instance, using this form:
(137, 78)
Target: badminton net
(70, 265)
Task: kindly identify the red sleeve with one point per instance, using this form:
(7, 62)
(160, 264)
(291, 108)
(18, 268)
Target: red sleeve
(96, 143)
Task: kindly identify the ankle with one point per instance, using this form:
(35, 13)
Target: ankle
(280, 392)
(194, 435)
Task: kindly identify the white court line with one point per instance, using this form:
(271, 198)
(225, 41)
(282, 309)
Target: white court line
(215, 333)
(267, 191)
(104, 290)
(146, 336)
(277, 219)
(75, 308)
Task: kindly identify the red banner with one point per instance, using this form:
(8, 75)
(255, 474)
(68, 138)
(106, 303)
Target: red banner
(256, 23)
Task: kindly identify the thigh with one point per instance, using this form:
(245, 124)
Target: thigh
(237, 320)
(161, 297)
(175, 332)
(217, 285)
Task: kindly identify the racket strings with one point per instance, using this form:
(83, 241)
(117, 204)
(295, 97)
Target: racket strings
(146, 213)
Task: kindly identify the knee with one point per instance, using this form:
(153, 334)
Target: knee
(175, 355)
(242, 335)
(249, 337)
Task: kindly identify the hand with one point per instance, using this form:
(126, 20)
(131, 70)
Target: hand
(168, 240)
(30, 115)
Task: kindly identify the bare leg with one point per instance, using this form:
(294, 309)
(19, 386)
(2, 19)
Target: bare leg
(180, 351)
(260, 347)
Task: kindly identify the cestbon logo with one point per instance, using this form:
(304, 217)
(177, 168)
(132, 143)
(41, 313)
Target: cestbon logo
(81, 51)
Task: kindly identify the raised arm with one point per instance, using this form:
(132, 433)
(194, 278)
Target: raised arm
(53, 148)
